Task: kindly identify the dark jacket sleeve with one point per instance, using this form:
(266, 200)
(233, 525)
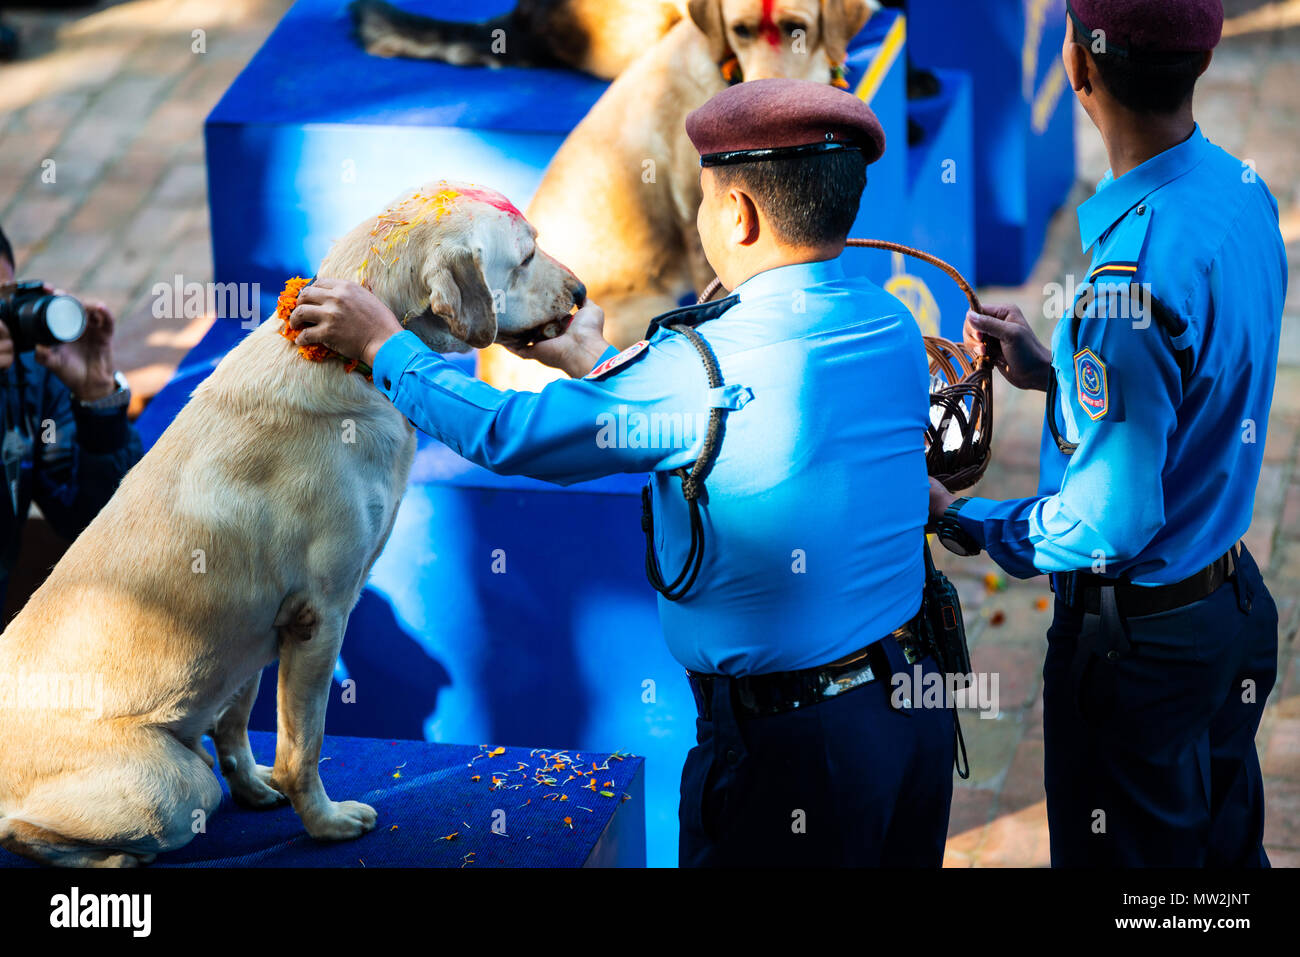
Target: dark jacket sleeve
(80, 458)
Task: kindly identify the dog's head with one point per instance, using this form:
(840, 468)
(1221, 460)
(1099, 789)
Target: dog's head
(773, 39)
(460, 266)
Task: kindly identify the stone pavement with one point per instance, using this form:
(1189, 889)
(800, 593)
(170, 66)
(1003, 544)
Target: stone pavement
(115, 96)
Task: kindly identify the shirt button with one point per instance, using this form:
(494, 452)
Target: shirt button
(732, 756)
(1112, 655)
(1142, 210)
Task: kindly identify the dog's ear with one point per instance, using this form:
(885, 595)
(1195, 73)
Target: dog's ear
(459, 295)
(707, 15)
(841, 21)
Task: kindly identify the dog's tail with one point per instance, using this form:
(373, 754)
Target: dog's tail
(385, 30)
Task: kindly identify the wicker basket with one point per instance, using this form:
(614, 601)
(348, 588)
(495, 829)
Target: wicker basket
(959, 439)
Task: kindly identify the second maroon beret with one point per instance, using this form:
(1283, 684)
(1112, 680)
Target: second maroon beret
(1133, 27)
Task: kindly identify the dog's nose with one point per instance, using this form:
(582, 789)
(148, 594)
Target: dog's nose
(579, 295)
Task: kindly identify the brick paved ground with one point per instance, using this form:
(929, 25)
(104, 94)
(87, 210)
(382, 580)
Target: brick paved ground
(116, 97)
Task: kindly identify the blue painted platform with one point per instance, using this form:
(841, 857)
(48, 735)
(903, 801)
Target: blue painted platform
(433, 813)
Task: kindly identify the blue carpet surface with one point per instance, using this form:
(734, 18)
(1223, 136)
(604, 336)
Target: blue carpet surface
(437, 804)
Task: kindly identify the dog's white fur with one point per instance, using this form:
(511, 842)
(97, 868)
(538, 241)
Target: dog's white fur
(245, 534)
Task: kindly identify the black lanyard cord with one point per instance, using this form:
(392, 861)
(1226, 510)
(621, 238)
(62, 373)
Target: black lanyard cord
(692, 488)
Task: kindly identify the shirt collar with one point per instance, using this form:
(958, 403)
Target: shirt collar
(1115, 197)
(784, 278)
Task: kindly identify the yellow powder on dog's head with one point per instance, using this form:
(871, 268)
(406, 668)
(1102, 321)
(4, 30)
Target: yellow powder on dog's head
(394, 225)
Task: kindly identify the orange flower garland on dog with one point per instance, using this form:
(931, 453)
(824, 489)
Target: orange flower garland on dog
(285, 305)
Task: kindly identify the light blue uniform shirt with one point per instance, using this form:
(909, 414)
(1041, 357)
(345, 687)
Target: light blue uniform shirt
(815, 507)
(1163, 480)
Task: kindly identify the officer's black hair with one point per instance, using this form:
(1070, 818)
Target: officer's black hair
(809, 200)
(7, 251)
(1148, 83)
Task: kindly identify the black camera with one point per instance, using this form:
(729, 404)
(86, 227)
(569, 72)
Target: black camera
(37, 317)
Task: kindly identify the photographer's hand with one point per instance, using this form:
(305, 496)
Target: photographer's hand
(6, 347)
(86, 366)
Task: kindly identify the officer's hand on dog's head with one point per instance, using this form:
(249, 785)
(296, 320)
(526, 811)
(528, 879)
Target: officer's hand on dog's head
(577, 350)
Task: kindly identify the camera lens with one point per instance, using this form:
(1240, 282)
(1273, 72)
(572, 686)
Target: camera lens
(64, 318)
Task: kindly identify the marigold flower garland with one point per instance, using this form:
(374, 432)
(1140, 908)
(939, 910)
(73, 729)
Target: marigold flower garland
(317, 353)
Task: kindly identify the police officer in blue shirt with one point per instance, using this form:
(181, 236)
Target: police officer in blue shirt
(786, 540)
(1164, 643)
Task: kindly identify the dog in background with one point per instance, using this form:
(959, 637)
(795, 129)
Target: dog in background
(244, 535)
(619, 200)
(600, 37)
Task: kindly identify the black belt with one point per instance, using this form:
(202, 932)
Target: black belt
(755, 696)
(1083, 590)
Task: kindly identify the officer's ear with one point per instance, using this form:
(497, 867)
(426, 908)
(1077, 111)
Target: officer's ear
(458, 294)
(707, 15)
(745, 221)
(1077, 66)
(841, 21)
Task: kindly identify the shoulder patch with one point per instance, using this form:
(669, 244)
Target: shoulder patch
(614, 363)
(1091, 385)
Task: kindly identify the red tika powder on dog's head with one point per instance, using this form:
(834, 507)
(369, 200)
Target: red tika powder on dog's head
(768, 28)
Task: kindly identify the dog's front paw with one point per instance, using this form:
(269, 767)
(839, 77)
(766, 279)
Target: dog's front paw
(342, 821)
(255, 789)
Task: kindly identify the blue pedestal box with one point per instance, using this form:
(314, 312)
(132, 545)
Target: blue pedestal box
(1023, 118)
(502, 609)
(923, 195)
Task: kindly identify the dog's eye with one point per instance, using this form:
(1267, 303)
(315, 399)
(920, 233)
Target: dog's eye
(742, 31)
(791, 26)
(528, 259)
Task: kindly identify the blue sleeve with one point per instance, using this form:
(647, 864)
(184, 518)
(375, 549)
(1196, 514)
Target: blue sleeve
(1111, 499)
(644, 417)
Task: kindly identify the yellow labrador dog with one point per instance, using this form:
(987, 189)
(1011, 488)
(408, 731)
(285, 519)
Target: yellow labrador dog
(245, 534)
(619, 200)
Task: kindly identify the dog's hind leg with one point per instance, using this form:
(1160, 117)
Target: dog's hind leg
(49, 847)
(149, 793)
(250, 782)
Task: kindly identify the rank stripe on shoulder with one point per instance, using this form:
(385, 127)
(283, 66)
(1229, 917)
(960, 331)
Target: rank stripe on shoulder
(1115, 269)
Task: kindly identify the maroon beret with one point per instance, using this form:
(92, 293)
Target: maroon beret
(1152, 26)
(772, 119)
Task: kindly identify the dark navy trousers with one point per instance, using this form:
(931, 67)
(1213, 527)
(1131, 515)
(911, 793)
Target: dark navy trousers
(1150, 753)
(846, 782)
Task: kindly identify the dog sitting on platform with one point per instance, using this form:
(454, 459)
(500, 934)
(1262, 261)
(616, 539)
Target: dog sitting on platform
(244, 535)
(619, 200)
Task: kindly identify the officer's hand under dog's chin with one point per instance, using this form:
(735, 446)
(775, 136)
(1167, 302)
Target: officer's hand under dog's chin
(578, 349)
